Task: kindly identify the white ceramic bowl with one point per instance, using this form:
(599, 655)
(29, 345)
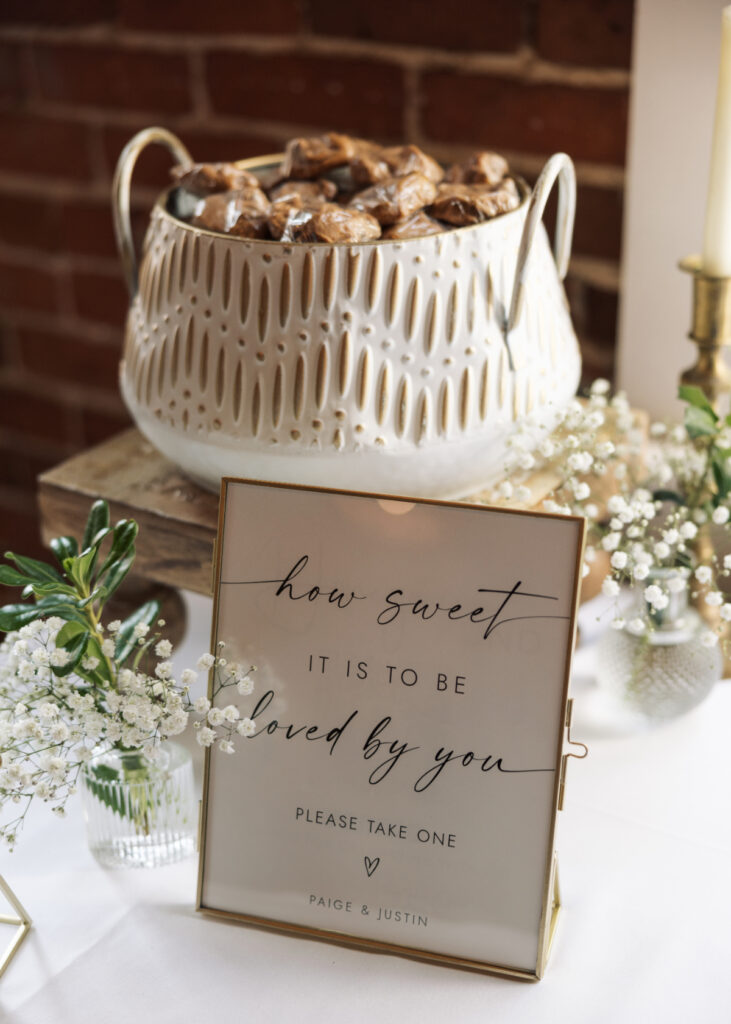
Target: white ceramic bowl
(382, 367)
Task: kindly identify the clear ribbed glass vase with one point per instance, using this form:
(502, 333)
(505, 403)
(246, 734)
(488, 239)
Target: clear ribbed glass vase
(667, 671)
(140, 812)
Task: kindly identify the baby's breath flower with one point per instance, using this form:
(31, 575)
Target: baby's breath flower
(618, 560)
(709, 638)
(205, 736)
(610, 587)
(205, 661)
(714, 599)
(114, 626)
(656, 597)
(720, 515)
(163, 648)
(703, 574)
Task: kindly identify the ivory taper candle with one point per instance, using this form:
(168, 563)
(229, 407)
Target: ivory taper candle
(717, 235)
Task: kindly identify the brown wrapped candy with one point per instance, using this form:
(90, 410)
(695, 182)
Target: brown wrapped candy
(406, 159)
(206, 179)
(395, 198)
(222, 211)
(367, 165)
(333, 223)
(309, 158)
(485, 168)
(371, 164)
(320, 191)
(290, 220)
(470, 204)
(416, 226)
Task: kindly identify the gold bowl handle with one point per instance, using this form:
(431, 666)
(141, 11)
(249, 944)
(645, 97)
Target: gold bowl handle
(120, 193)
(558, 166)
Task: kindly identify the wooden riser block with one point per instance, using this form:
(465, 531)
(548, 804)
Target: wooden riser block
(177, 519)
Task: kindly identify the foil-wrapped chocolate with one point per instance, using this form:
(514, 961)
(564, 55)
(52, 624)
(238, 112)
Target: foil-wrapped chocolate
(469, 204)
(206, 179)
(312, 157)
(320, 191)
(243, 212)
(484, 168)
(333, 223)
(395, 198)
(415, 226)
(371, 165)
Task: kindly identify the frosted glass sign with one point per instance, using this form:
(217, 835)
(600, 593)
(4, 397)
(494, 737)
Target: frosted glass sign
(400, 787)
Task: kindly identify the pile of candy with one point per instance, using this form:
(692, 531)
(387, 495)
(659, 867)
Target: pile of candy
(334, 188)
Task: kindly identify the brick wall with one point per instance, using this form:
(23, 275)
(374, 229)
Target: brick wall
(235, 79)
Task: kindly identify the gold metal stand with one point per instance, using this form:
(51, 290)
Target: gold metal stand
(710, 330)
(20, 919)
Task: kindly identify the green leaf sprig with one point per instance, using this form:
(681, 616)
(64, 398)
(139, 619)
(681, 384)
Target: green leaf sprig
(77, 592)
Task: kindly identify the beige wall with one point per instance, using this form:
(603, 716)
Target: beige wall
(675, 65)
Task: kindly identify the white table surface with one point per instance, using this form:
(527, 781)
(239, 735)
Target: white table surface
(644, 848)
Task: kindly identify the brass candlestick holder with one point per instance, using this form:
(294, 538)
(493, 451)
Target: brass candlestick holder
(710, 330)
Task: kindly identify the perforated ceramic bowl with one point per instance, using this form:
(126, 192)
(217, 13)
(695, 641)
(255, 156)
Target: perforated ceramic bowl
(392, 366)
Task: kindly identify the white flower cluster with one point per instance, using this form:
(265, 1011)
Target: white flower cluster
(50, 725)
(221, 725)
(648, 528)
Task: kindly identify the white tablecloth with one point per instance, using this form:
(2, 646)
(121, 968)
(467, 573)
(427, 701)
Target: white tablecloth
(645, 862)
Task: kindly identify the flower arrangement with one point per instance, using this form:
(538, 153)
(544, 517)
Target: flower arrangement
(71, 684)
(650, 502)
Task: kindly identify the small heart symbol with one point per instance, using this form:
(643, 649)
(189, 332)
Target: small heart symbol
(371, 865)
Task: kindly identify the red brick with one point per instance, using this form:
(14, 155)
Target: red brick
(86, 228)
(11, 73)
(25, 410)
(598, 230)
(155, 162)
(55, 12)
(20, 532)
(596, 33)
(98, 426)
(23, 286)
(275, 17)
(329, 92)
(20, 468)
(601, 311)
(589, 124)
(475, 25)
(100, 297)
(60, 356)
(28, 221)
(102, 76)
(598, 225)
(34, 145)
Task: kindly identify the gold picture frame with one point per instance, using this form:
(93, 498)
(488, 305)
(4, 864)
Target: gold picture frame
(289, 495)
